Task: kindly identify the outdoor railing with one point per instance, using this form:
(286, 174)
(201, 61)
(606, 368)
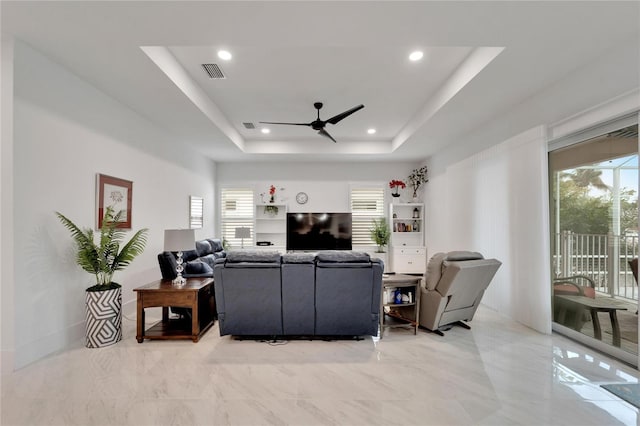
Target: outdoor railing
(594, 255)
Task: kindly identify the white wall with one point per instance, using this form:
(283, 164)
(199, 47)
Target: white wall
(327, 184)
(495, 202)
(66, 131)
(614, 73)
(480, 190)
(7, 332)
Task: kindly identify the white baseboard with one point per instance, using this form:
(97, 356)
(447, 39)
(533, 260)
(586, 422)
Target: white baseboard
(72, 336)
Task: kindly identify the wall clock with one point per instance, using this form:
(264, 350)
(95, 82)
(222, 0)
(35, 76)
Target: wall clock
(302, 197)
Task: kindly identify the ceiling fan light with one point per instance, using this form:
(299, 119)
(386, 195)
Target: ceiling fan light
(371, 131)
(225, 55)
(416, 55)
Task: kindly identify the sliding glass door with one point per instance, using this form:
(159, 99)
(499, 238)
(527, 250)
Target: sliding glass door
(594, 225)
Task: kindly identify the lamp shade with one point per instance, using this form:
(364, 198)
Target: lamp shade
(179, 239)
(243, 232)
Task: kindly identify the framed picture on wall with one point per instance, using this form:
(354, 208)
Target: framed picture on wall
(116, 193)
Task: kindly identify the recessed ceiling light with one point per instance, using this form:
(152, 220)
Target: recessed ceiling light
(265, 130)
(224, 55)
(371, 131)
(416, 56)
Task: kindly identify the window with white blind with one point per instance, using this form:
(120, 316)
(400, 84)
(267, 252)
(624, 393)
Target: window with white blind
(196, 212)
(236, 212)
(367, 203)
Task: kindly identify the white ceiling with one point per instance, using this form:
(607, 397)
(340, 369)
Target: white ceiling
(481, 59)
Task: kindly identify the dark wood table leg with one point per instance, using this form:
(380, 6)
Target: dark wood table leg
(562, 313)
(597, 331)
(195, 320)
(165, 314)
(615, 326)
(140, 321)
(579, 312)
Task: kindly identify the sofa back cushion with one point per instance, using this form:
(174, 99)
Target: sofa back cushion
(298, 258)
(203, 248)
(434, 270)
(457, 256)
(168, 265)
(188, 255)
(254, 257)
(439, 262)
(342, 256)
(216, 244)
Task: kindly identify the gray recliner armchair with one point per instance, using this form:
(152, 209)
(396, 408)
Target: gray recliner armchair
(455, 284)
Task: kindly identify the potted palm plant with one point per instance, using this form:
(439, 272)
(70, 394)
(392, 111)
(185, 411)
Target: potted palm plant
(380, 233)
(103, 259)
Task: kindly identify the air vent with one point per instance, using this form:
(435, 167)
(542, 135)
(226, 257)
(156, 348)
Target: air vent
(213, 71)
(249, 125)
(627, 132)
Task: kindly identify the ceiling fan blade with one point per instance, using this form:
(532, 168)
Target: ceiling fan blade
(290, 124)
(336, 118)
(324, 133)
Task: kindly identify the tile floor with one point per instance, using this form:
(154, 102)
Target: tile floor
(499, 373)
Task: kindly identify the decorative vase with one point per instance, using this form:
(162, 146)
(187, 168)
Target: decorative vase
(272, 199)
(104, 317)
(396, 198)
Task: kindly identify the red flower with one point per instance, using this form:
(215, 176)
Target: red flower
(272, 190)
(397, 183)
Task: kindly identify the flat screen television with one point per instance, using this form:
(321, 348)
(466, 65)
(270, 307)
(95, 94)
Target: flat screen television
(318, 231)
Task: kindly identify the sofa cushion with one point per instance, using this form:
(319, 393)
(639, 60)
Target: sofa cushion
(197, 267)
(340, 256)
(253, 256)
(298, 258)
(456, 256)
(434, 270)
(216, 244)
(203, 248)
(168, 264)
(188, 255)
(209, 259)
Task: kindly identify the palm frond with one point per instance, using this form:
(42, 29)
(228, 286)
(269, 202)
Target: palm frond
(103, 259)
(87, 253)
(131, 250)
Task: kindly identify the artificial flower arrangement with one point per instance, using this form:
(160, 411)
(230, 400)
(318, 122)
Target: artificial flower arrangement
(397, 184)
(272, 194)
(417, 178)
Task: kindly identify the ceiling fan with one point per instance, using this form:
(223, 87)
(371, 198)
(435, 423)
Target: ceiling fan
(318, 124)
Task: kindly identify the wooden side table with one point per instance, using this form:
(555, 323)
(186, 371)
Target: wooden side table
(196, 293)
(406, 284)
(599, 304)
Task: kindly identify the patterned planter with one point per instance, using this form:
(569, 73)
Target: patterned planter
(104, 317)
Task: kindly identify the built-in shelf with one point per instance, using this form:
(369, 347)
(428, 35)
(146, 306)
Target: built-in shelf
(406, 246)
(271, 225)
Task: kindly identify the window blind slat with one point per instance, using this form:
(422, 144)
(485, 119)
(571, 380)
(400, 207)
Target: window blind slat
(237, 212)
(366, 204)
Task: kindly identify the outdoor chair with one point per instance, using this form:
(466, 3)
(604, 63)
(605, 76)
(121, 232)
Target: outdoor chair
(576, 285)
(634, 269)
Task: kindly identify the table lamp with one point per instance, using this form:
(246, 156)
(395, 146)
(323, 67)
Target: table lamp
(179, 240)
(242, 233)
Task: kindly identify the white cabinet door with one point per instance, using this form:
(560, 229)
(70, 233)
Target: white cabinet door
(410, 260)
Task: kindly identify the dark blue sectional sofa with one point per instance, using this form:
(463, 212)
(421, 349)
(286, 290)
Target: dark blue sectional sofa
(330, 293)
